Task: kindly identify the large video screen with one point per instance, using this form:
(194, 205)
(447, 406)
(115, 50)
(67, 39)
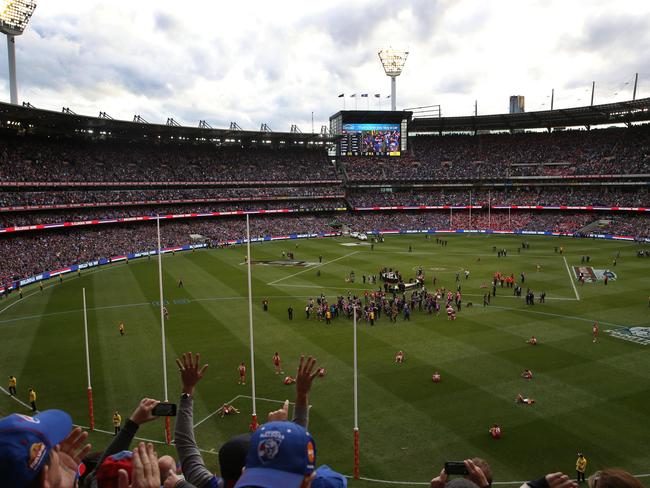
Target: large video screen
(370, 140)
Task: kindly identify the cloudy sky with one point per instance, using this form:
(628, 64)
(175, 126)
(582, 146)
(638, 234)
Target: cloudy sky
(279, 61)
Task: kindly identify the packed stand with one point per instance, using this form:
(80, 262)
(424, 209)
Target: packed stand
(534, 195)
(11, 219)
(32, 158)
(173, 195)
(30, 253)
(616, 151)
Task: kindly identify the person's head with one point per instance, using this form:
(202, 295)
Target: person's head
(613, 478)
(232, 458)
(28, 454)
(166, 464)
(281, 455)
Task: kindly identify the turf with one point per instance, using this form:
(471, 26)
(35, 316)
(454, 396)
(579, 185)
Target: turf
(590, 397)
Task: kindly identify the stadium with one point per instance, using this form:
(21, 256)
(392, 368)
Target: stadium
(473, 288)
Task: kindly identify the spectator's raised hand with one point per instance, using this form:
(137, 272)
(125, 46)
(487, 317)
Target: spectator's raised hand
(72, 449)
(279, 415)
(440, 480)
(475, 474)
(142, 413)
(146, 473)
(191, 372)
(560, 480)
(171, 480)
(306, 373)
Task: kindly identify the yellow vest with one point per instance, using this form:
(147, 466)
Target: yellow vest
(12, 381)
(32, 396)
(581, 464)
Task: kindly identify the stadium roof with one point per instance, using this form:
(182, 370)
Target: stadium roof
(611, 113)
(48, 122)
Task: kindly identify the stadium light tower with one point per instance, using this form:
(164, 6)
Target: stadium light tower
(14, 16)
(393, 62)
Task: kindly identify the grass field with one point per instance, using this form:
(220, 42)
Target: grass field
(590, 397)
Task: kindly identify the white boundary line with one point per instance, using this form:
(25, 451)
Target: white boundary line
(16, 399)
(566, 265)
(235, 399)
(312, 268)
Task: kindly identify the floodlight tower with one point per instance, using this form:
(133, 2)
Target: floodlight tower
(393, 62)
(14, 16)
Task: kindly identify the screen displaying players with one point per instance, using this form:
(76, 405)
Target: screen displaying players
(370, 140)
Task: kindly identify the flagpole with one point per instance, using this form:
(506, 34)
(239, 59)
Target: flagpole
(168, 435)
(489, 209)
(91, 412)
(470, 209)
(356, 398)
(250, 323)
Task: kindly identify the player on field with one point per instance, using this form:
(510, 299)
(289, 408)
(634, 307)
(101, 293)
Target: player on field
(594, 331)
(435, 377)
(289, 380)
(399, 357)
(527, 374)
(532, 341)
(321, 372)
(121, 328)
(451, 313)
(242, 373)
(12, 385)
(524, 401)
(180, 282)
(165, 313)
(226, 409)
(277, 363)
(495, 431)
(117, 421)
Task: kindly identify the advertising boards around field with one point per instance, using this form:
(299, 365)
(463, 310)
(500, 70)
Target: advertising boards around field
(638, 335)
(592, 275)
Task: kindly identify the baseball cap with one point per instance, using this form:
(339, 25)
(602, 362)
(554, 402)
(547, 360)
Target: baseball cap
(326, 477)
(281, 454)
(108, 472)
(26, 442)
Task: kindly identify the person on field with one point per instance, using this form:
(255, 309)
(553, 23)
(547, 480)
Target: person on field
(277, 363)
(12, 385)
(581, 468)
(241, 369)
(117, 421)
(32, 399)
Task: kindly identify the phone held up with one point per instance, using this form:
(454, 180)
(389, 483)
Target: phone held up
(455, 467)
(164, 410)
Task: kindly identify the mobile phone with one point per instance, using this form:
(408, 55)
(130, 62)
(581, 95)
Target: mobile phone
(164, 410)
(455, 467)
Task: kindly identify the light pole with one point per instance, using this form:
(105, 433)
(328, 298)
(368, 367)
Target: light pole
(393, 62)
(14, 16)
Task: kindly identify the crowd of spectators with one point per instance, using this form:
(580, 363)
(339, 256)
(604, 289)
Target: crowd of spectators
(11, 219)
(534, 195)
(568, 222)
(616, 151)
(32, 158)
(29, 253)
(96, 197)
